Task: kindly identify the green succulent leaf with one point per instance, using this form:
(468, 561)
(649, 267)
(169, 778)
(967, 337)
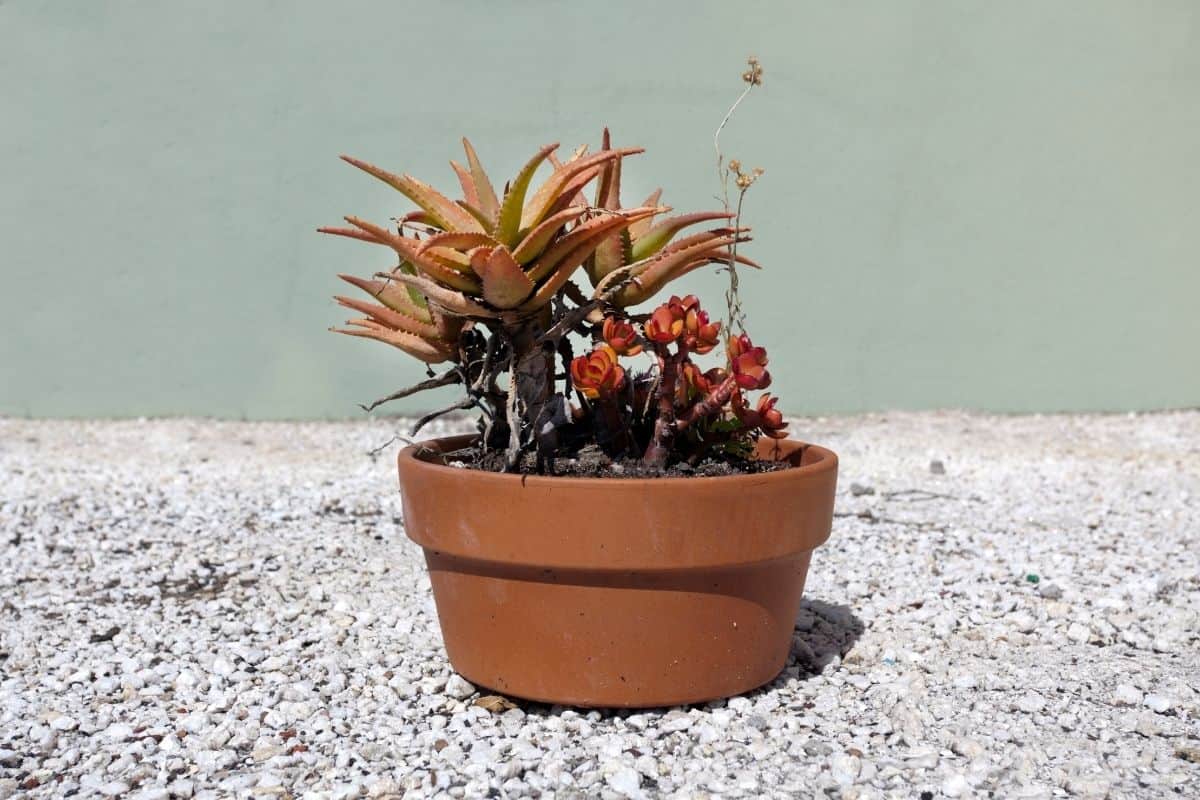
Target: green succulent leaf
(488, 204)
(510, 221)
(444, 212)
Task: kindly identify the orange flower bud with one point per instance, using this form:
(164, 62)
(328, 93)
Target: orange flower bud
(664, 326)
(748, 363)
(597, 373)
(621, 336)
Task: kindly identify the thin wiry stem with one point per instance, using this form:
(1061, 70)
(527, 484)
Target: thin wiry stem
(722, 176)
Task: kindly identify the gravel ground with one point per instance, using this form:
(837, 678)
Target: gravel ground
(1008, 606)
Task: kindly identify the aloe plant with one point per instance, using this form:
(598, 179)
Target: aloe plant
(485, 284)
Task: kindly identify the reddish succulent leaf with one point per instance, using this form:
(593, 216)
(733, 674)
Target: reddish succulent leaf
(488, 225)
(488, 204)
(394, 297)
(390, 318)
(451, 259)
(563, 271)
(415, 346)
(655, 273)
(449, 300)
(591, 232)
(419, 217)
(572, 192)
(639, 229)
(442, 210)
(657, 237)
(610, 254)
(608, 191)
(510, 221)
(458, 241)
(351, 233)
(409, 249)
(534, 242)
(505, 284)
(550, 191)
(466, 182)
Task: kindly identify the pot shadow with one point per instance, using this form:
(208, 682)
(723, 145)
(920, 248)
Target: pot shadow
(823, 632)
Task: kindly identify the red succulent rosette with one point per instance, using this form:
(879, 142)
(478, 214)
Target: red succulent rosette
(598, 373)
(763, 416)
(621, 336)
(749, 363)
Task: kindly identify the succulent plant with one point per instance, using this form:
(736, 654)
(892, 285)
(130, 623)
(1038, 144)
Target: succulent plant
(709, 404)
(485, 284)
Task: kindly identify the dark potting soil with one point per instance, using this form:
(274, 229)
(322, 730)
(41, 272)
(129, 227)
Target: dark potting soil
(592, 462)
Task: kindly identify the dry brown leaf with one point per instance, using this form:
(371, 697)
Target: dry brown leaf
(495, 703)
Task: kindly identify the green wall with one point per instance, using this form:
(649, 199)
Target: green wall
(971, 204)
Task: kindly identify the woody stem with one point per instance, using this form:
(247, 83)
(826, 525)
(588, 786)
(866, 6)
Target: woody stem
(711, 404)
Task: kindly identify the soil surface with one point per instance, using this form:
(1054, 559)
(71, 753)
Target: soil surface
(592, 462)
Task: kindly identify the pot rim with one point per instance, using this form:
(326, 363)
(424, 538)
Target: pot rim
(826, 460)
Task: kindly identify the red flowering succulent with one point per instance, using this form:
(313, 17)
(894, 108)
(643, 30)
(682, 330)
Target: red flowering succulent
(597, 374)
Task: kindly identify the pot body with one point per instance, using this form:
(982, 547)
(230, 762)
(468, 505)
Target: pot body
(618, 592)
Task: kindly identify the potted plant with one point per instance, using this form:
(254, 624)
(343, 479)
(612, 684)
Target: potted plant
(627, 527)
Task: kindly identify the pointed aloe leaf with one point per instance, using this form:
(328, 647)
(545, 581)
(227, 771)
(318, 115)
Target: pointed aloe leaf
(683, 250)
(608, 191)
(441, 209)
(487, 203)
(505, 284)
(535, 241)
(351, 233)
(661, 233)
(409, 250)
(448, 300)
(458, 241)
(390, 318)
(639, 229)
(572, 193)
(563, 271)
(408, 269)
(397, 298)
(488, 225)
(510, 220)
(451, 259)
(550, 191)
(466, 182)
(655, 273)
(415, 346)
(591, 233)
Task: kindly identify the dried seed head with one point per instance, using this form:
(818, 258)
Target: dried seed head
(735, 165)
(753, 75)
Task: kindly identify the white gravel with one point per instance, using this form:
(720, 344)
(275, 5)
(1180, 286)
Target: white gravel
(206, 609)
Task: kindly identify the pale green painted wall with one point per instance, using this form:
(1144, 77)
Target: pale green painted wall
(979, 204)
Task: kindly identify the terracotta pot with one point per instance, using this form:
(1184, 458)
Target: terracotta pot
(618, 592)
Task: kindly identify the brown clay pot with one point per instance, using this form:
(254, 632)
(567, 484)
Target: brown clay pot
(618, 592)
